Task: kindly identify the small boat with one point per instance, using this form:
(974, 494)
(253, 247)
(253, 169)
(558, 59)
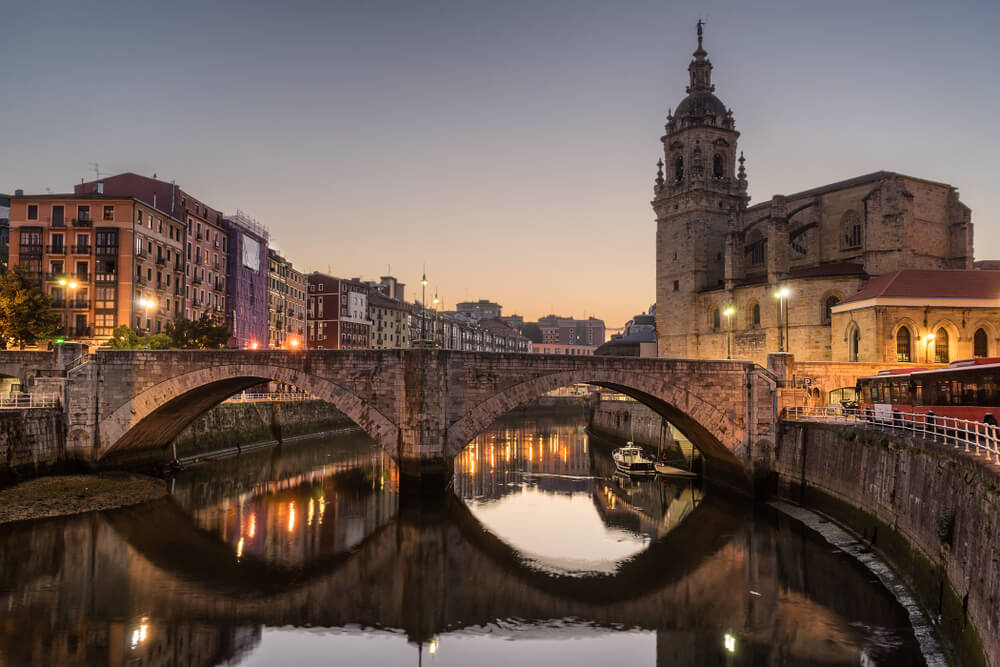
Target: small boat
(631, 460)
(668, 470)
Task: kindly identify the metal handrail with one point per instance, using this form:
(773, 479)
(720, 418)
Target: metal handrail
(975, 437)
(19, 400)
(270, 398)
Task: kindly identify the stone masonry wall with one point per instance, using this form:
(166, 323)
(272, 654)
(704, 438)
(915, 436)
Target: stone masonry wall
(630, 420)
(931, 510)
(31, 442)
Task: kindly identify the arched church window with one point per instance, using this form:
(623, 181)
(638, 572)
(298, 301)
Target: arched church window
(718, 167)
(716, 320)
(828, 305)
(854, 345)
(799, 244)
(980, 347)
(903, 344)
(678, 170)
(754, 322)
(850, 223)
(941, 346)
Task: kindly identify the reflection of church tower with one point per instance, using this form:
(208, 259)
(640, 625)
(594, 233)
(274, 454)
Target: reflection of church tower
(697, 200)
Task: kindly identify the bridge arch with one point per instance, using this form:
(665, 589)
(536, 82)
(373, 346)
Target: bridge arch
(706, 425)
(157, 415)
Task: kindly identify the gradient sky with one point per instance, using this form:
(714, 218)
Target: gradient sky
(509, 146)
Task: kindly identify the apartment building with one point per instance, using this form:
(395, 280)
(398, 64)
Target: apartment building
(246, 287)
(105, 260)
(286, 304)
(337, 312)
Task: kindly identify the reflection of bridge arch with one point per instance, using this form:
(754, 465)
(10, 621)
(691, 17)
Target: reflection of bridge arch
(161, 412)
(675, 397)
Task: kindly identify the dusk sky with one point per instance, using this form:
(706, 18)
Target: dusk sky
(508, 146)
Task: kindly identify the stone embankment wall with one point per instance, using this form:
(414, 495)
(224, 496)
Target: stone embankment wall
(229, 424)
(631, 420)
(931, 510)
(32, 442)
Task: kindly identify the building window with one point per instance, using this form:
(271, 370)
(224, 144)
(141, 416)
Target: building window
(903, 344)
(716, 319)
(851, 225)
(800, 244)
(979, 344)
(941, 346)
(32, 211)
(678, 170)
(718, 167)
(83, 213)
(854, 344)
(109, 212)
(828, 305)
(754, 316)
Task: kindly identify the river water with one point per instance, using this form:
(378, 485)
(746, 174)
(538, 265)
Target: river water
(308, 555)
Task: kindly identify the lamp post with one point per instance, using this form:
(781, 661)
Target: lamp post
(436, 302)
(146, 305)
(927, 347)
(782, 296)
(67, 285)
(423, 306)
(729, 312)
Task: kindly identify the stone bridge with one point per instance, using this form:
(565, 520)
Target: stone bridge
(422, 406)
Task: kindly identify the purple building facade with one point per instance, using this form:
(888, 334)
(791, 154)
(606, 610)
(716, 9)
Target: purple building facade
(246, 288)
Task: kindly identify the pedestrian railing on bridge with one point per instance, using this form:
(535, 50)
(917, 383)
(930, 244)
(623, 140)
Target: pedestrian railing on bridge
(975, 437)
(18, 401)
(272, 397)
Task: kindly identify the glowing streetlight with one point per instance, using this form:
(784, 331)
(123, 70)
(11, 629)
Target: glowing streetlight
(729, 312)
(68, 285)
(782, 295)
(927, 347)
(146, 305)
(254, 345)
(294, 342)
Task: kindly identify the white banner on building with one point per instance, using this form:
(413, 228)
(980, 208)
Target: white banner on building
(251, 254)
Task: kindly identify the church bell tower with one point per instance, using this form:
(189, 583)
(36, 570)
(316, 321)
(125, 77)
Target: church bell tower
(698, 198)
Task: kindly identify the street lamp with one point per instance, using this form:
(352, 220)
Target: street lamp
(436, 302)
(68, 285)
(930, 339)
(729, 312)
(782, 296)
(146, 305)
(423, 306)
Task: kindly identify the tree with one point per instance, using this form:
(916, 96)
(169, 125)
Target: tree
(26, 314)
(200, 334)
(123, 338)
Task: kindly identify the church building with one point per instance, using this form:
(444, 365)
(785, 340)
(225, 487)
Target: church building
(740, 281)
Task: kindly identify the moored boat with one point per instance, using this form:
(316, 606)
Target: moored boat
(631, 460)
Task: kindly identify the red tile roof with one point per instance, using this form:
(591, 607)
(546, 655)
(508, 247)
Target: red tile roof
(932, 284)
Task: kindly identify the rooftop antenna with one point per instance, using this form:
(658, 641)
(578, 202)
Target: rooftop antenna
(97, 170)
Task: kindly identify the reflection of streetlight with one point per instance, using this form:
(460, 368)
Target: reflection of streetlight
(782, 296)
(927, 347)
(730, 643)
(147, 304)
(728, 312)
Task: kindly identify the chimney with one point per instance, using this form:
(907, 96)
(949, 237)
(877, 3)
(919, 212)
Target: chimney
(18, 193)
(100, 188)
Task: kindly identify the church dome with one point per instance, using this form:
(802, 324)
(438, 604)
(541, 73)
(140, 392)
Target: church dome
(700, 104)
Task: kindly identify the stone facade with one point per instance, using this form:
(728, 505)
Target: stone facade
(717, 255)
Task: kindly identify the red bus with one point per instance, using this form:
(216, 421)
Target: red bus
(967, 389)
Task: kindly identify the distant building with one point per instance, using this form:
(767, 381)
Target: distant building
(247, 284)
(568, 331)
(337, 313)
(501, 337)
(105, 260)
(392, 288)
(638, 339)
(481, 310)
(567, 350)
(205, 244)
(390, 321)
(286, 304)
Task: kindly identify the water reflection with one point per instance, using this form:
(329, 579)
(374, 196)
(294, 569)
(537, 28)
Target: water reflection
(235, 569)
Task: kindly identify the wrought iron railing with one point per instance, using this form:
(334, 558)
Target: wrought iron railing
(978, 438)
(270, 398)
(17, 401)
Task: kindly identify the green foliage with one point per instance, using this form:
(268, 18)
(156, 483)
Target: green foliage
(200, 334)
(26, 314)
(124, 338)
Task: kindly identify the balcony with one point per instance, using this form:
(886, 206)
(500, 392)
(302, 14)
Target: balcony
(161, 261)
(196, 280)
(56, 249)
(83, 222)
(81, 249)
(106, 250)
(52, 276)
(196, 303)
(106, 277)
(139, 280)
(78, 332)
(30, 250)
(58, 303)
(178, 268)
(82, 277)
(219, 286)
(79, 303)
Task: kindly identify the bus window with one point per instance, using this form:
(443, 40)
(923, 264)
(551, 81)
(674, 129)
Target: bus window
(956, 392)
(943, 393)
(917, 389)
(970, 393)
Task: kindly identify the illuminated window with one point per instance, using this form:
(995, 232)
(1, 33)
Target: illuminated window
(903, 344)
(941, 346)
(979, 344)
